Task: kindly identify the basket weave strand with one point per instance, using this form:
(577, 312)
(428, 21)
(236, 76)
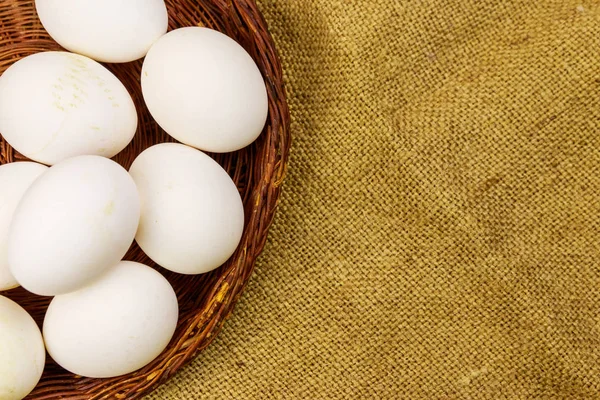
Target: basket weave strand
(205, 300)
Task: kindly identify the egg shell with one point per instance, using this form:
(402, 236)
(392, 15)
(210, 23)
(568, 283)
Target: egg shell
(205, 90)
(74, 223)
(22, 353)
(192, 215)
(113, 31)
(57, 105)
(115, 326)
(15, 179)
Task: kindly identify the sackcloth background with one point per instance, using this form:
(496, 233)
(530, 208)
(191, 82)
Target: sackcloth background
(438, 234)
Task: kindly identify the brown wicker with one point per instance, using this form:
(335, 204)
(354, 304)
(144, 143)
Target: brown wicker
(205, 300)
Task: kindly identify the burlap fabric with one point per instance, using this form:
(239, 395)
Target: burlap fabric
(438, 237)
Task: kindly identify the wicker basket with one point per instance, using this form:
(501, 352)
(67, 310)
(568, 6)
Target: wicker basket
(205, 300)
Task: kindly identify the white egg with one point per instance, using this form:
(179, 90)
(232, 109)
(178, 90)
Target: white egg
(56, 105)
(192, 213)
(109, 30)
(115, 326)
(22, 353)
(205, 90)
(74, 223)
(15, 179)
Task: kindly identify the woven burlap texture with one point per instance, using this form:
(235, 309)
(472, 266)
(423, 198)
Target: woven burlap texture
(438, 235)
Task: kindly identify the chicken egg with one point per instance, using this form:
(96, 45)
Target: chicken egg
(113, 31)
(205, 90)
(114, 326)
(22, 352)
(56, 105)
(192, 216)
(74, 223)
(15, 179)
